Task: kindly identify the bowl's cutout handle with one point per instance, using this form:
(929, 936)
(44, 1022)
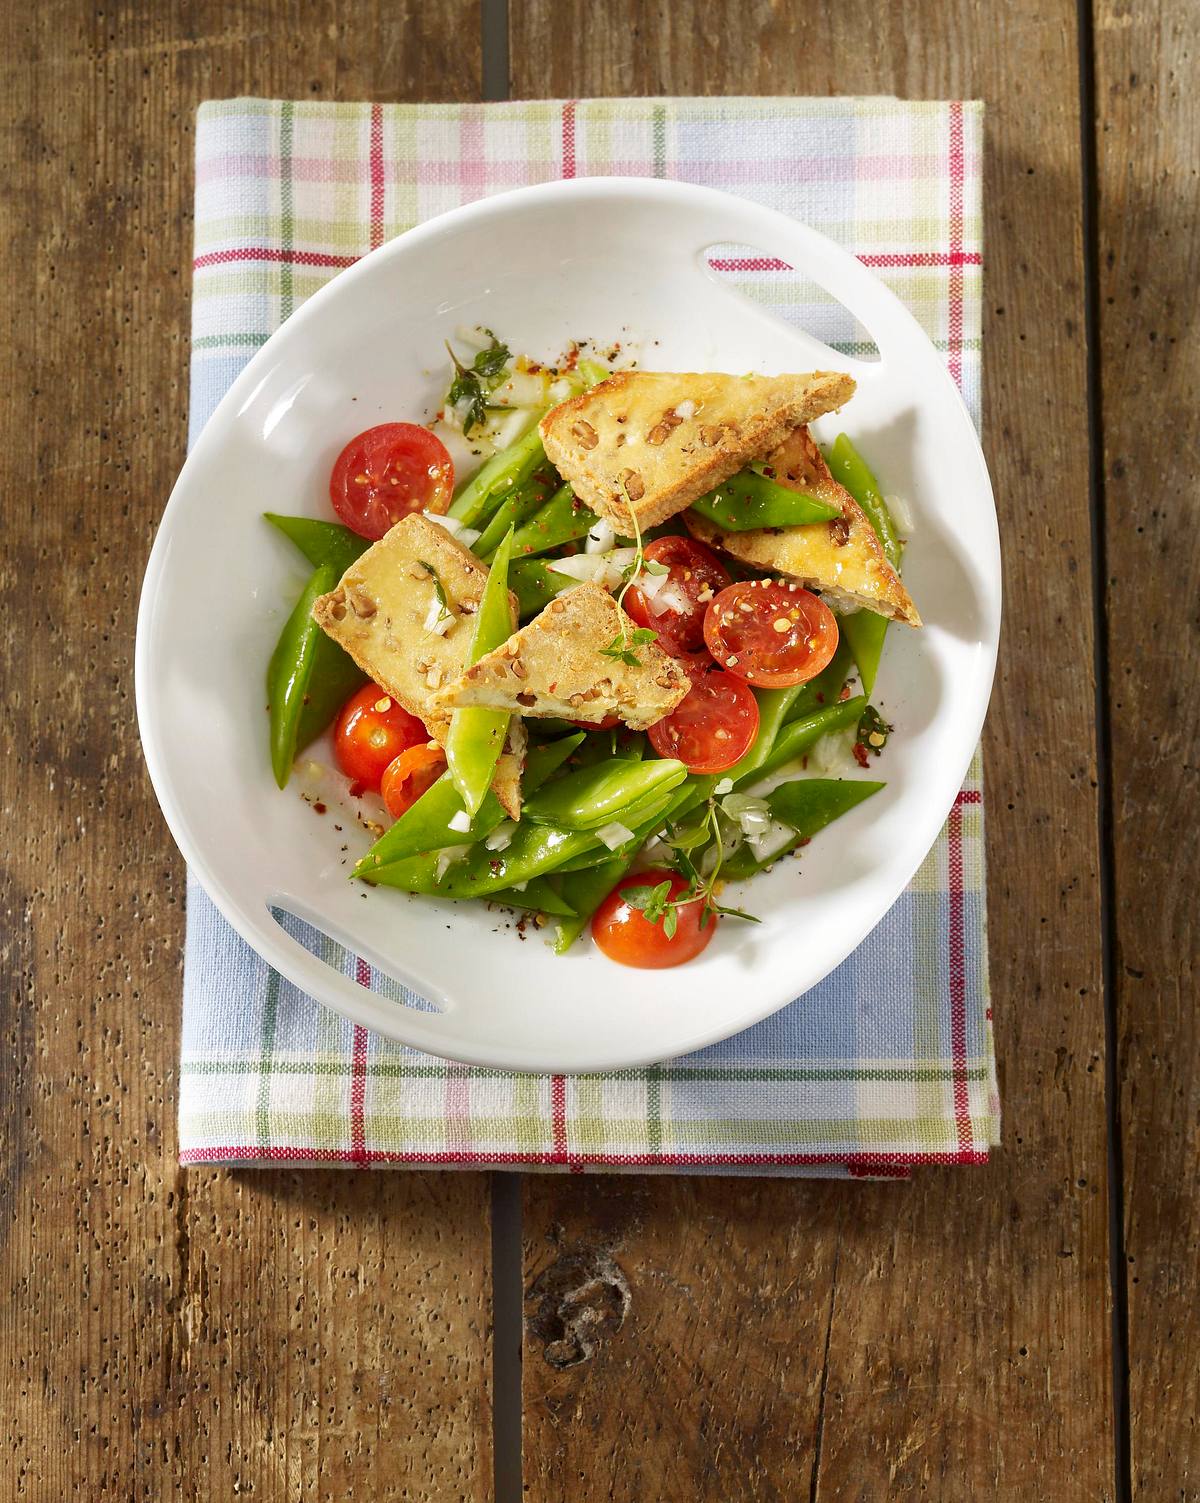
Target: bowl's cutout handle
(791, 246)
(327, 956)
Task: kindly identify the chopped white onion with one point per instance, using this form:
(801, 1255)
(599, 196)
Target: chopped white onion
(607, 569)
(560, 390)
(772, 841)
(520, 886)
(438, 619)
(460, 823)
(650, 584)
(504, 428)
(446, 858)
(901, 514)
(614, 835)
(753, 815)
(832, 751)
(522, 389)
(723, 787)
(685, 409)
(671, 598)
(600, 539)
(501, 837)
(581, 566)
(469, 536)
(459, 410)
(452, 525)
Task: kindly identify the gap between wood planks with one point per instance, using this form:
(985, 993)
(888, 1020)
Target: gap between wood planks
(1117, 1270)
(508, 1273)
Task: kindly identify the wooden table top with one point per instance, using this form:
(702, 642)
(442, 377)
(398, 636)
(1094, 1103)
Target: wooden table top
(1026, 1330)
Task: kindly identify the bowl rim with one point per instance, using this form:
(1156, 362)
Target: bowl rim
(359, 1004)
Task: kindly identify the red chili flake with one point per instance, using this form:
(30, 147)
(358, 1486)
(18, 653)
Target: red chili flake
(318, 808)
(845, 694)
(357, 789)
(839, 532)
(860, 755)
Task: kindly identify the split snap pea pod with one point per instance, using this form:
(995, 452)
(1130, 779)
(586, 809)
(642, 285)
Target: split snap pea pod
(309, 678)
(503, 474)
(426, 825)
(642, 822)
(865, 630)
(585, 891)
(749, 500)
(535, 583)
(517, 507)
(803, 734)
(332, 679)
(321, 542)
(849, 469)
(544, 758)
(604, 793)
(538, 896)
(563, 519)
(533, 851)
(828, 684)
(476, 736)
(807, 805)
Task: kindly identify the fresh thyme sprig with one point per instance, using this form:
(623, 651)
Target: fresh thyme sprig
(444, 611)
(656, 903)
(468, 384)
(622, 645)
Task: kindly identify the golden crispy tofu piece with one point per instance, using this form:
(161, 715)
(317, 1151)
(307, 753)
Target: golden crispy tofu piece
(843, 559)
(383, 610)
(556, 665)
(648, 444)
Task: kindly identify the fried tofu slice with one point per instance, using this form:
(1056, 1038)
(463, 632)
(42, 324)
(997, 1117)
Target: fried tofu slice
(647, 444)
(383, 612)
(843, 559)
(558, 665)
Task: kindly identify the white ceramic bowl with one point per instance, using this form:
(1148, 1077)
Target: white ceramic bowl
(608, 259)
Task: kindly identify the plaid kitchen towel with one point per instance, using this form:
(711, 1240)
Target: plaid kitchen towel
(889, 1061)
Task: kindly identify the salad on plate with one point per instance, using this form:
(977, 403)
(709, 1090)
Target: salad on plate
(595, 641)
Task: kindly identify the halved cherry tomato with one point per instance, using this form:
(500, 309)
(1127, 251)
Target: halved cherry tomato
(770, 633)
(695, 664)
(410, 775)
(371, 731)
(694, 575)
(628, 937)
(387, 472)
(712, 727)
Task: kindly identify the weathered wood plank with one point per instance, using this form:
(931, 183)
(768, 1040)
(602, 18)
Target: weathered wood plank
(165, 1334)
(1148, 161)
(948, 1339)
